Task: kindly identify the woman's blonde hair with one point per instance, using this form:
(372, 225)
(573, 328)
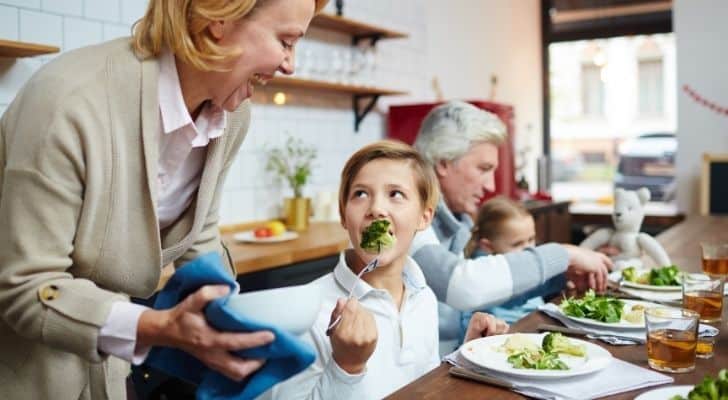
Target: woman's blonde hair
(493, 214)
(425, 178)
(181, 26)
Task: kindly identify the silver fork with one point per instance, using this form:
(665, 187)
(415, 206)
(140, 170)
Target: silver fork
(368, 268)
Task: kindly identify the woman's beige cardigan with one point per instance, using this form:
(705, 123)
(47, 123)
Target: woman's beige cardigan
(78, 223)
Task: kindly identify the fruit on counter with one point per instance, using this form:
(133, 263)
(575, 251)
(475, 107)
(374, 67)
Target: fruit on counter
(277, 228)
(262, 232)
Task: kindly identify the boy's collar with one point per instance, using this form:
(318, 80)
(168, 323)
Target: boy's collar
(346, 278)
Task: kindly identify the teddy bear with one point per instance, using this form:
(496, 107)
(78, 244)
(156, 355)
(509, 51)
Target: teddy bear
(626, 236)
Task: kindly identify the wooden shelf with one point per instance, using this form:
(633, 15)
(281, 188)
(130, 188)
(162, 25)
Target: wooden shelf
(284, 81)
(12, 48)
(356, 29)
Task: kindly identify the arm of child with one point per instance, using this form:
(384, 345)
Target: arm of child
(482, 324)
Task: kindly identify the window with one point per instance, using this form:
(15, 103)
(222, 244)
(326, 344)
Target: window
(650, 87)
(592, 90)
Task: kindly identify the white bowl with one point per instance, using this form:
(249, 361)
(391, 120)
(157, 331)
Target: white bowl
(292, 308)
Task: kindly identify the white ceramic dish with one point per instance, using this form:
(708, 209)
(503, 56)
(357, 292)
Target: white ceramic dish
(292, 308)
(484, 353)
(665, 393)
(623, 324)
(616, 277)
(249, 237)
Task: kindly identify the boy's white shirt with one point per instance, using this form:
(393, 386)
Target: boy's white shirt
(407, 345)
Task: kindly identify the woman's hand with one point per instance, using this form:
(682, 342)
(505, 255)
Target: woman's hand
(588, 268)
(354, 339)
(185, 328)
(482, 324)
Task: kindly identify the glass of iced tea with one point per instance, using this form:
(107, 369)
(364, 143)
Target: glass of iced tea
(704, 295)
(672, 337)
(715, 258)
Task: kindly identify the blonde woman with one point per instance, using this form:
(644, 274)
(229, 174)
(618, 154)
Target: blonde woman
(112, 159)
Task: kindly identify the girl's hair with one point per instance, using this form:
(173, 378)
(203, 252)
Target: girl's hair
(181, 26)
(491, 218)
(425, 178)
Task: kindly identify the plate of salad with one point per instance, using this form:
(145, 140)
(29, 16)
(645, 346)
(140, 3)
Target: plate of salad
(606, 311)
(662, 279)
(549, 355)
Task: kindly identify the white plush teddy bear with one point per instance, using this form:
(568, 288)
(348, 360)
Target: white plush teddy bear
(627, 218)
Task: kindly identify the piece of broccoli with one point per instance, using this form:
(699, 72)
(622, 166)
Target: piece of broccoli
(709, 388)
(630, 274)
(555, 342)
(377, 237)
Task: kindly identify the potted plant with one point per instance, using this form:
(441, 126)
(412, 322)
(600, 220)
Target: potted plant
(293, 163)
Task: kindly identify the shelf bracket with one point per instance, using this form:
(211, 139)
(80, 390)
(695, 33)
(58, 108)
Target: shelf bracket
(359, 112)
(372, 37)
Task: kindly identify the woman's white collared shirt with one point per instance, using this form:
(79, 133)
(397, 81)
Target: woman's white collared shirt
(407, 345)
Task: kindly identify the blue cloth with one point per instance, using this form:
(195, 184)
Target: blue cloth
(286, 355)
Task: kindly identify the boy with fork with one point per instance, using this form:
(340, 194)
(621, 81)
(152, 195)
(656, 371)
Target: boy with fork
(387, 335)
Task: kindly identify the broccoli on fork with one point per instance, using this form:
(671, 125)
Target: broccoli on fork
(377, 237)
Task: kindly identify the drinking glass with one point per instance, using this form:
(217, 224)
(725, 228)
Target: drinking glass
(704, 295)
(715, 258)
(672, 337)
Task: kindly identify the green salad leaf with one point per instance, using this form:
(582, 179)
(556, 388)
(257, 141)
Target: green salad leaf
(524, 354)
(537, 359)
(709, 388)
(599, 308)
(377, 237)
(665, 276)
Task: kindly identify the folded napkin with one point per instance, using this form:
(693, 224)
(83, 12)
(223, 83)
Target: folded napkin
(285, 356)
(618, 377)
(626, 337)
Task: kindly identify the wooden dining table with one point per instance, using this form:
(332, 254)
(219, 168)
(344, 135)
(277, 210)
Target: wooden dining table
(682, 243)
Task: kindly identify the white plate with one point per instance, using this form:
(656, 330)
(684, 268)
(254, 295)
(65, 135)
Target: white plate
(616, 277)
(484, 353)
(623, 324)
(249, 237)
(665, 393)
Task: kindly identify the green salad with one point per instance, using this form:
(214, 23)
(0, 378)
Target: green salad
(709, 388)
(377, 237)
(599, 308)
(524, 354)
(665, 276)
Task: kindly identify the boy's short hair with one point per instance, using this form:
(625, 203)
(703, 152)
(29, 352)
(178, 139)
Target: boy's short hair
(425, 178)
(181, 26)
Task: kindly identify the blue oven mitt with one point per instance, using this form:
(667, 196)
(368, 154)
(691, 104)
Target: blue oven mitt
(286, 355)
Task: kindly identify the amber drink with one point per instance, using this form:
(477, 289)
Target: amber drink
(704, 295)
(672, 338)
(715, 258)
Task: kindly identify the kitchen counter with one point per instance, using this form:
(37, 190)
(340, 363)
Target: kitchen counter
(322, 239)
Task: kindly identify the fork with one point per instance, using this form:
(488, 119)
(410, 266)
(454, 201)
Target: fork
(368, 268)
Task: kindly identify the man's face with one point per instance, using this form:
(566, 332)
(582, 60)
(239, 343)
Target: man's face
(464, 181)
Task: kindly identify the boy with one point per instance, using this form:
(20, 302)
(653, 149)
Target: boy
(387, 335)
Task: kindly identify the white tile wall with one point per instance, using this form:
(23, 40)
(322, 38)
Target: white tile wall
(78, 32)
(65, 7)
(40, 27)
(9, 23)
(325, 120)
(22, 3)
(102, 10)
